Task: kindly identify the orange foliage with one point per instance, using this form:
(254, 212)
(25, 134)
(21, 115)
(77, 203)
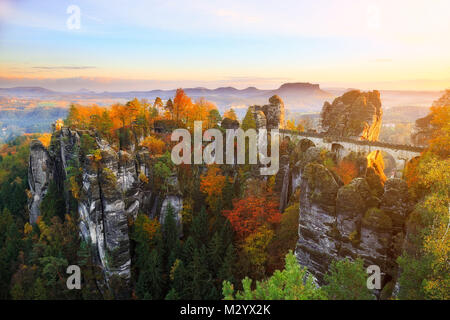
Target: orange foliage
(347, 171)
(181, 106)
(230, 114)
(251, 213)
(439, 143)
(200, 111)
(212, 184)
(154, 145)
(45, 139)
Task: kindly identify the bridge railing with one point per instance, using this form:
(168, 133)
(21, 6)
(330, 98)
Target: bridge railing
(380, 144)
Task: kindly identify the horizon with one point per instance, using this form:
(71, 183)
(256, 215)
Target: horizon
(165, 45)
(239, 88)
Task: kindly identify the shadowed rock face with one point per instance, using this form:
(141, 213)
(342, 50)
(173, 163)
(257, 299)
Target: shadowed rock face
(346, 221)
(110, 194)
(270, 116)
(40, 173)
(317, 245)
(349, 222)
(355, 114)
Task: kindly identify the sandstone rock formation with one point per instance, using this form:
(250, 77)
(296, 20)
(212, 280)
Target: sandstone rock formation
(269, 116)
(355, 114)
(110, 193)
(344, 221)
(40, 173)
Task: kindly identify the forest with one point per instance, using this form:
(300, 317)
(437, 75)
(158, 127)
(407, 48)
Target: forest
(234, 241)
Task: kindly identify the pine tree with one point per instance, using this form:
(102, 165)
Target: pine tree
(199, 227)
(226, 270)
(215, 253)
(150, 282)
(53, 204)
(170, 237)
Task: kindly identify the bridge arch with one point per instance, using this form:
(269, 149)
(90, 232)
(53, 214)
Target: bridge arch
(339, 151)
(393, 153)
(305, 144)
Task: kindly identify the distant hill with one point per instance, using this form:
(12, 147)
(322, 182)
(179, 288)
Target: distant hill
(304, 96)
(26, 91)
(298, 97)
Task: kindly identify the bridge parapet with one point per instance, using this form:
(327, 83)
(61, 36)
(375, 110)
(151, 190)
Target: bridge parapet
(330, 139)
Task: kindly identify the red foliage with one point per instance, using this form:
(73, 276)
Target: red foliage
(347, 171)
(251, 213)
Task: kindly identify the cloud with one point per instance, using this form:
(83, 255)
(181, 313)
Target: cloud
(64, 67)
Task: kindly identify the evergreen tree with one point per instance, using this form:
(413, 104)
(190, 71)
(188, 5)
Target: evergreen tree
(199, 227)
(170, 237)
(226, 270)
(215, 253)
(150, 282)
(346, 280)
(53, 204)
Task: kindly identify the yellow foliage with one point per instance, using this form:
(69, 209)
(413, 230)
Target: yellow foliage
(45, 139)
(154, 145)
(27, 229)
(143, 177)
(230, 114)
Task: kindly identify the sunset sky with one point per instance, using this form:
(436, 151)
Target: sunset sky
(396, 44)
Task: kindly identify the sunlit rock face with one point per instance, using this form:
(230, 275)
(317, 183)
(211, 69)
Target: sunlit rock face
(355, 114)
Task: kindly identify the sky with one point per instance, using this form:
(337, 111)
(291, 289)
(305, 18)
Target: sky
(163, 44)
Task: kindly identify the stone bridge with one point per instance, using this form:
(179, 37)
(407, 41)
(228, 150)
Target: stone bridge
(343, 146)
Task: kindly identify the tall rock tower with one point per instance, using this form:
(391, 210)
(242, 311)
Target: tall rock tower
(355, 114)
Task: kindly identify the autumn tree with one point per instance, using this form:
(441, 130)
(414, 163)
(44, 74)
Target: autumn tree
(230, 114)
(346, 170)
(212, 183)
(251, 213)
(181, 106)
(154, 145)
(425, 269)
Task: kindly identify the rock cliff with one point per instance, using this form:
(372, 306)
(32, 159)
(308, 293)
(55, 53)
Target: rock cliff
(355, 114)
(104, 188)
(269, 116)
(344, 221)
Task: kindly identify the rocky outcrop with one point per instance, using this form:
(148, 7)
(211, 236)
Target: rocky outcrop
(355, 115)
(40, 173)
(269, 116)
(317, 245)
(103, 211)
(106, 189)
(346, 221)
